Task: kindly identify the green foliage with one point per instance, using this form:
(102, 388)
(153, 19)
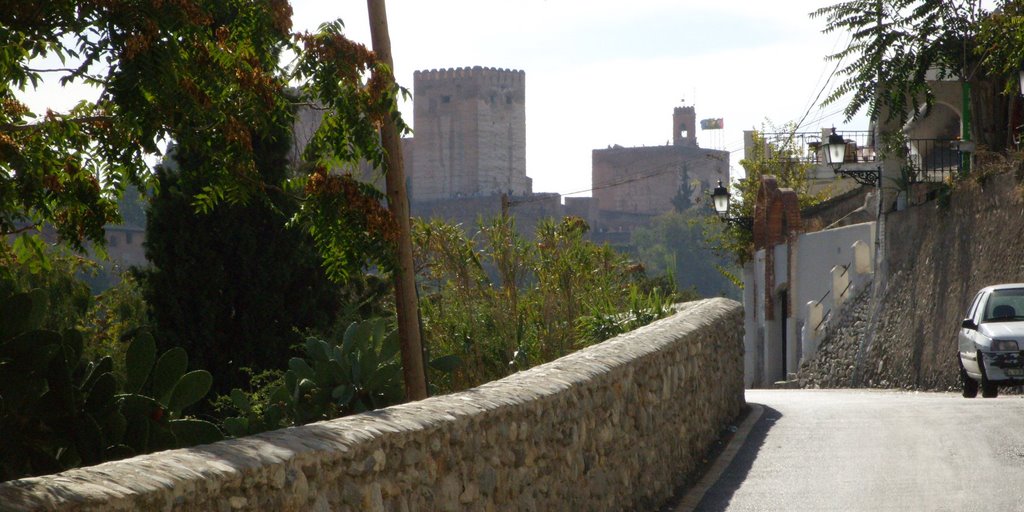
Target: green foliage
(676, 245)
(359, 372)
(642, 310)
(496, 303)
(767, 158)
(233, 286)
(205, 74)
(896, 44)
(104, 320)
(1000, 43)
(59, 410)
(112, 318)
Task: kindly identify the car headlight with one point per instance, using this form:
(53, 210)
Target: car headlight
(1004, 346)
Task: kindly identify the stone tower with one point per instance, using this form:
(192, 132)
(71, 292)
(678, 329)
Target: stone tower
(470, 133)
(684, 127)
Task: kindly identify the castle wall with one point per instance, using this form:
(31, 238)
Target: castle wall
(644, 180)
(528, 210)
(470, 133)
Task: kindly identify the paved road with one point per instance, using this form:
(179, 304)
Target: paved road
(850, 450)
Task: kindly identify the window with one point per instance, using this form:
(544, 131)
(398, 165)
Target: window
(446, 99)
(1005, 304)
(972, 313)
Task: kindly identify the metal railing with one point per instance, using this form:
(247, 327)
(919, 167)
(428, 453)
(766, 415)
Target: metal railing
(933, 160)
(849, 282)
(806, 146)
(824, 316)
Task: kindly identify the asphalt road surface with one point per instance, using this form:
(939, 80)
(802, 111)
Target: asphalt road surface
(852, 450)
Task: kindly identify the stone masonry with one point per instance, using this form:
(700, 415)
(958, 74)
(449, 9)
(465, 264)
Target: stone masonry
(835, 361)
(616, 426)
(470, 133)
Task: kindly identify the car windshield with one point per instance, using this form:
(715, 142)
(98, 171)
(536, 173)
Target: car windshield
(1005, 305)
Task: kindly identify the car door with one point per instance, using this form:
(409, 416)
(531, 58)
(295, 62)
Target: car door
(966, 338)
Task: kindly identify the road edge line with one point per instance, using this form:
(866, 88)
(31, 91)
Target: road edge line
(697, 492)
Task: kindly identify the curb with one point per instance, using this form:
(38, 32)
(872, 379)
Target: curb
(697, 492)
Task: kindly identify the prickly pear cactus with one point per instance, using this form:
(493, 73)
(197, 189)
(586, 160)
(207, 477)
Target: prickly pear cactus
(59, 410)
(360, 372)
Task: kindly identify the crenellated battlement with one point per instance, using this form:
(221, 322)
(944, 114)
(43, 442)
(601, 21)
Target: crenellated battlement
(686, 110)
(479, 74)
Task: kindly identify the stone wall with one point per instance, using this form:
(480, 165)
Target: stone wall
(644, 180)
(938, 255)
(470, 126)
(616, 426)
(844, 209)
(834, 363)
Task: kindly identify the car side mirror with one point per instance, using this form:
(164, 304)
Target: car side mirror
(969, 324)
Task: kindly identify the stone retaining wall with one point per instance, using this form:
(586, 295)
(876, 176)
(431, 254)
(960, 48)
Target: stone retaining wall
(616, 426)
(834, 364)
(939, 254)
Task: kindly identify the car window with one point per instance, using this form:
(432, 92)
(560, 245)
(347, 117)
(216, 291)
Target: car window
(973, 310)
(1004, 305)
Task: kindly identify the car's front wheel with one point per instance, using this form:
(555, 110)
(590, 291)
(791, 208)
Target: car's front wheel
(988, 388)
(970, 386)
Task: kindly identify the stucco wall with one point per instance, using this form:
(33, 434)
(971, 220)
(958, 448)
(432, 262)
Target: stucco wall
(612, 427)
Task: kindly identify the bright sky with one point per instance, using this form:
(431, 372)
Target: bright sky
(602, 72)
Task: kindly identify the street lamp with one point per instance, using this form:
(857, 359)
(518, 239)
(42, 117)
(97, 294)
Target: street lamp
(720, 197)
(835, 155)
(835, 150)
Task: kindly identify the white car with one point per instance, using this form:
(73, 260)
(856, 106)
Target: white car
(990, 341)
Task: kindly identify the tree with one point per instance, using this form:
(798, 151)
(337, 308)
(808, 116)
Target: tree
(896, 44)
(204, 74)
(233, 286)
(775, 158)
(500, 304)
(675, 244)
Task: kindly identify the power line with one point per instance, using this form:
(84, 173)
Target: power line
(623, 181)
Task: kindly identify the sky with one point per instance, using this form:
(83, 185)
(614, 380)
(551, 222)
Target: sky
(603, 72)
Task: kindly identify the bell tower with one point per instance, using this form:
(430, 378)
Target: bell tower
(684, 127)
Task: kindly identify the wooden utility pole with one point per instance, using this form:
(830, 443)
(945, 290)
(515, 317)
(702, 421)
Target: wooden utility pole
(406, 304)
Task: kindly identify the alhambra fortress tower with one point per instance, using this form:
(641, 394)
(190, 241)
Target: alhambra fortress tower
(470, 133)
(469, 150)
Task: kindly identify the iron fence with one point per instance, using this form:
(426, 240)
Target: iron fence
(933, 160)
(930, 160)
(807, 146)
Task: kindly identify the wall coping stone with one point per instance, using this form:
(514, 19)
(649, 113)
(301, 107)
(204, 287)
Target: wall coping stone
(181, 479)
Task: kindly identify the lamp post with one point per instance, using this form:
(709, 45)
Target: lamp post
(835, 155)
(720, 198)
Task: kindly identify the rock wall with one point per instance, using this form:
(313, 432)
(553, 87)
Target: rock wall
(616, 426)
(834, 364)
(938, 255)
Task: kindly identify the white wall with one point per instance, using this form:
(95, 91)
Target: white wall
(814, 257)
(818, 253)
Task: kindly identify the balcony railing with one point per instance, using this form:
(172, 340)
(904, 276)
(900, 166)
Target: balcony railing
(931, 160)
(806, 146)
